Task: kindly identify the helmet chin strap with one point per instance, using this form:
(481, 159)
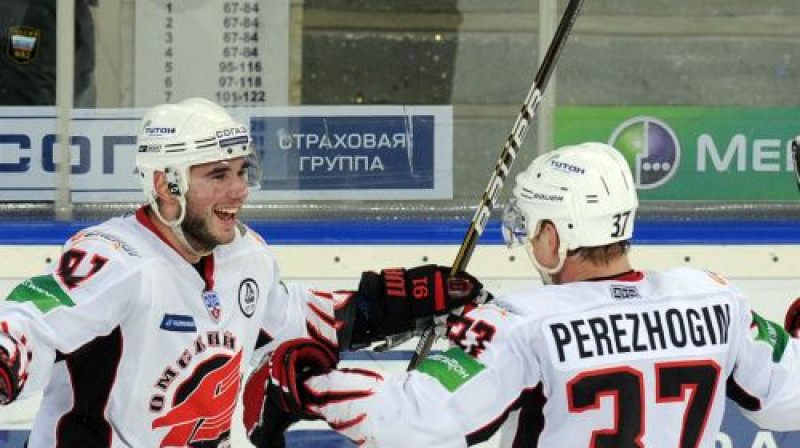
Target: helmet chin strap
(544, 272)
(175, 226)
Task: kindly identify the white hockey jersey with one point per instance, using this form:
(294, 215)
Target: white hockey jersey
(643, 360)
(138, 348)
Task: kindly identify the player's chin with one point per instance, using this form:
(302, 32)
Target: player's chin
(224, 230)
(225, 235)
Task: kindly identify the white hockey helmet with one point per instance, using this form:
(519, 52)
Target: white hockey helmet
(586, 191)
(174, 137)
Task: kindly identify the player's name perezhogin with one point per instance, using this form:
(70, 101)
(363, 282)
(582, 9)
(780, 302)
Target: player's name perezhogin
(639, 331)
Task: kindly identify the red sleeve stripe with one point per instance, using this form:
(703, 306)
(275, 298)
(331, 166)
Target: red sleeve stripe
(347, 296)
(347, 424)
(364, 372)
(322, 294)
(339, 396)
(322, 315)
(316, 335)
(333, 323)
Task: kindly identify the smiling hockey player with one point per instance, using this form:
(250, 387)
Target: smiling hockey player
(141, 331)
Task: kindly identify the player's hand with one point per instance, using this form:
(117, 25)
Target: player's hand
(402, 300)
(14, 359)
(264, 420)
(275, 395)
(792, 322)
(341, 398)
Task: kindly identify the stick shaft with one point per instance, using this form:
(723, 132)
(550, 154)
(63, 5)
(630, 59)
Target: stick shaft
(506, 160)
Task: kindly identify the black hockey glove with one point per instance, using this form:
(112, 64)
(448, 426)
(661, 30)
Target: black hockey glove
(401, 300)
(792, 322)
(274, 395)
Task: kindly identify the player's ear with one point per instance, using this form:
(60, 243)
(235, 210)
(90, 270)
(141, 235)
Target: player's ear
(550, 235)
(546, 244)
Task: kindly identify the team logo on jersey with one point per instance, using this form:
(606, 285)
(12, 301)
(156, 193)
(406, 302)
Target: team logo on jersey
(622, 292)
(203, 405)
(213, 305)
(248, 296)
(23, 44)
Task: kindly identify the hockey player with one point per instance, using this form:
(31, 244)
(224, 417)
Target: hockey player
(604, 355)
(141, 331)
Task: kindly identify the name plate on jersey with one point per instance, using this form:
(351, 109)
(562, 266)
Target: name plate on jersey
(617, 335)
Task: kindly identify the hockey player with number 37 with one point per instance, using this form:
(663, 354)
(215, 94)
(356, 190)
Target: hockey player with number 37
(141, 332)
(604, 355)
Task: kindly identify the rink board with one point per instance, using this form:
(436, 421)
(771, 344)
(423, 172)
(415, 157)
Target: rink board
(761, 257)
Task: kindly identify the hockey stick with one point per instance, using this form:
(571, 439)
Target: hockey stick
(796, 158)
(503, 167)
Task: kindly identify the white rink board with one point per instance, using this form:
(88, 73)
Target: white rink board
(768, 274)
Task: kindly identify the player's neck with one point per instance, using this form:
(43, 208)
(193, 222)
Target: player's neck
(576, 270)
(172, 239)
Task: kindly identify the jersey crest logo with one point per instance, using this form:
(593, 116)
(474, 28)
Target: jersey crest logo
(203, 406)
(248, 296)
(23, 44)
(213, 305)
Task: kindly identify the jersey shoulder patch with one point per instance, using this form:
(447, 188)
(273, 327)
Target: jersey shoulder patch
(770, 333)
(451, 368)
(43, 292)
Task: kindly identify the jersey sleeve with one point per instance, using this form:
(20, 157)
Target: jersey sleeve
(83, 295)
(455, 398)
(295, 310)
(765, 380)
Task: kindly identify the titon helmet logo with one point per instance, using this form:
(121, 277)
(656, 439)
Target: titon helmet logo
(566, 167)
(651, 149)
(155, 131)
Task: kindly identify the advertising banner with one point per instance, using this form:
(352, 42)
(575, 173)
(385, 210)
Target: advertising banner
(346, 153)
(330, 152)
(695, 153)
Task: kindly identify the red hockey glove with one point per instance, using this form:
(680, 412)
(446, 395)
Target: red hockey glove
(401, 300)
(13, 367)
(275, 396)
(291, 364)
(264, 420)
(792, 322)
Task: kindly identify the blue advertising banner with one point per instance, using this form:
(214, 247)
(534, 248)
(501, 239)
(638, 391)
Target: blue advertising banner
(381, 152)
(307, 152)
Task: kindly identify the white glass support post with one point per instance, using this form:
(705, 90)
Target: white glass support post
(65, 86)
(545, 120)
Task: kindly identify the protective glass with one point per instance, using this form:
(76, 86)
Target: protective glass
(796, 158)
(253, 170)
(515, 226)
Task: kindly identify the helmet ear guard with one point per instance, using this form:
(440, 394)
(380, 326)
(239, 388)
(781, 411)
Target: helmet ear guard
(173, 181)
